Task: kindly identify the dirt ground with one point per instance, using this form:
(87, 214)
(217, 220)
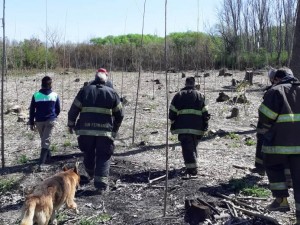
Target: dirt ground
(224, 159)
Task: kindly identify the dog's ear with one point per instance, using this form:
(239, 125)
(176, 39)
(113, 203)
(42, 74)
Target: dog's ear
(65, 168)
(76, 167)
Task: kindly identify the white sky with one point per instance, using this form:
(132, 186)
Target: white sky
(81, 20)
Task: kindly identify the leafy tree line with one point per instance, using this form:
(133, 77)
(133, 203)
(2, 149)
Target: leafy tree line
(252, 33)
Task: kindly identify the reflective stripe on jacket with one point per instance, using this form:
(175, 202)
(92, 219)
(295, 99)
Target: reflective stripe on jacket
(279, 116)
(100, 110)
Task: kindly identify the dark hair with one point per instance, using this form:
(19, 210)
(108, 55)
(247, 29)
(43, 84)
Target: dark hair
(46, 82)
(190, 81)
(283, 72)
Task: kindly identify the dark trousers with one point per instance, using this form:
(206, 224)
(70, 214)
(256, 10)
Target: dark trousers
(259, 163)
(97, 154)
(275, 165)
(189, 144)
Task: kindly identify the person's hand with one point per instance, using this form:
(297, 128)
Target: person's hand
(205, 127)
(71, 130)
(32, 127)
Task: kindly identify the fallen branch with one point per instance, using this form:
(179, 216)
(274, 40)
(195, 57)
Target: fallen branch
(209, 205)
(156, 179)
(250, 213)
(237, 202)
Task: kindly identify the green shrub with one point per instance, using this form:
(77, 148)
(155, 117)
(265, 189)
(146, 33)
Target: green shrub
(23, 159)
(7, 184)
(256, 191)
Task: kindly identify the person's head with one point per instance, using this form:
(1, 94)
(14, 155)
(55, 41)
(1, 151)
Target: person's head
(190, 82)
(271, 75)
(47, 82)
(282, 73)
(101, 76)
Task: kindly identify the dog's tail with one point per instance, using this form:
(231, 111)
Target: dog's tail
(28, 213)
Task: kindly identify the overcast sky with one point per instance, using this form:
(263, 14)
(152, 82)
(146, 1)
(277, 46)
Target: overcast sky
(81, 20)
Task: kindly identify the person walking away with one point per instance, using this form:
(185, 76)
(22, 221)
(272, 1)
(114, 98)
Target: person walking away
(259, 164)
(189, 119)
(279, 116)
(43, 112)
(100, 116)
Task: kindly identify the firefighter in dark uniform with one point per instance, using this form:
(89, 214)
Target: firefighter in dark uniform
(259, 163)
(189, 119)
(100, 117)
(279, 115)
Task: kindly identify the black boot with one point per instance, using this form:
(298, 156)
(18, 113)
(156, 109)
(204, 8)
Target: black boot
(43, 156)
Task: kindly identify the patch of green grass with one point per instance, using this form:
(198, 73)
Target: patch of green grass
(67, 143)
(30, 135)
(54, 148)
(173, 138)
(23, 159)
(8, 184)
(250, 142)
(256, 191)
(102, 218)
(233, 136)
(61, 216)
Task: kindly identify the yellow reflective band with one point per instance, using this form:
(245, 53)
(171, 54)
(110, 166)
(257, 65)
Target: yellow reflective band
(281, 149)
(95, 133)
(96, 110)
(189, 111)
(117, 108)
(268, 112)
(172, 107)
(259, 161)
(283, 118)
(278, 186)
(187, 131)
(191, 165)
(101, 179)
(77, 103)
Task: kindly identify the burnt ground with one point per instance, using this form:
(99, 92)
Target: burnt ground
(224, 157)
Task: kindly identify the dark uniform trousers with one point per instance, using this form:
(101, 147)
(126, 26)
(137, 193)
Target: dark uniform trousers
(258, 154)
(189, 144)
(259, 158)
(275, 165)
(97, 155)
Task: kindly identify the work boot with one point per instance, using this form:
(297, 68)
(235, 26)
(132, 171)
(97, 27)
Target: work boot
(260, 171)
(190, 173)
(103, 190)
(43, 156)
(279, 204)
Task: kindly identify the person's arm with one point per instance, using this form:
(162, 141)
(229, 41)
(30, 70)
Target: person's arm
(268, 111)
(57, 106)
(205, 115)
(118, 114)
(32, 111)
(173, 110)
(74, 111)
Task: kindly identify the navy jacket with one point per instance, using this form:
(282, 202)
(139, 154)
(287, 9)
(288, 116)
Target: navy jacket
(44, 106)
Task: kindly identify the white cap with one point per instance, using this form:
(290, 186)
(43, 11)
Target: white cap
(102, 76)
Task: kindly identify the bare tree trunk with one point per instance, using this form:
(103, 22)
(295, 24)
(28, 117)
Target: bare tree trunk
(295, 66)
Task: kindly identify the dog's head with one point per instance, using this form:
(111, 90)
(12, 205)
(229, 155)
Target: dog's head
(73, 172)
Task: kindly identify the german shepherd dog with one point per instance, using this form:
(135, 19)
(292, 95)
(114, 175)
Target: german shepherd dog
(40, 205)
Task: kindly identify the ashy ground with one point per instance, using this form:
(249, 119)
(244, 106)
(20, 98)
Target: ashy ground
(225, 154)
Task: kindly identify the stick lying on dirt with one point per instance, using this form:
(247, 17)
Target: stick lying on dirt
(209, 205)
(156, 179)
(238, 202)
(250, 213)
